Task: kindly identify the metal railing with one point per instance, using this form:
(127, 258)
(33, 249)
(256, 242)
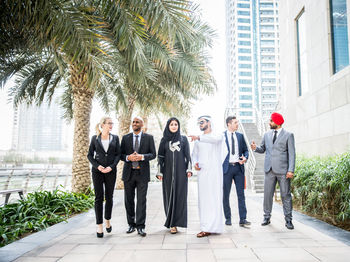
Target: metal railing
(260, 122)
(31, 179)
(249, 166)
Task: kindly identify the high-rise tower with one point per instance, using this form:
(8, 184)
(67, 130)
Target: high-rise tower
(38, 128)
(252, 57)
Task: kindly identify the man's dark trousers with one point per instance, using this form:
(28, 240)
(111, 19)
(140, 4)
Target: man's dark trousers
(235, 173)
(141, 186)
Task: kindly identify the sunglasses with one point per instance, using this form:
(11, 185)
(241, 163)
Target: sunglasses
(201, 122)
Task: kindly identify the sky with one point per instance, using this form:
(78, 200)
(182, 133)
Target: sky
(213, 12)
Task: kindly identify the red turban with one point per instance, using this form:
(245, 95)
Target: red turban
(277, 118)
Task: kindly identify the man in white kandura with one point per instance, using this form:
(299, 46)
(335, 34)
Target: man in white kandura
(208, 155)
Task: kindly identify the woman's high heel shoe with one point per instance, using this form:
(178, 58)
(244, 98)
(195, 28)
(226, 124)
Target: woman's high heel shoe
(99, 235)
(109, 229)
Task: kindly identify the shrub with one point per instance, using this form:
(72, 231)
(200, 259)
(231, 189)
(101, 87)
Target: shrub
(39, 210)
(321, 187)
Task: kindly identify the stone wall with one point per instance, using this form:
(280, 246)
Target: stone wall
(320, 118)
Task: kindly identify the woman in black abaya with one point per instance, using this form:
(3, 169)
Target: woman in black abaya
(175, 167)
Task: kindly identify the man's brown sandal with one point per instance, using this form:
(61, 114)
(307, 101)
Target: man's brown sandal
(173, 230)
(203, 234)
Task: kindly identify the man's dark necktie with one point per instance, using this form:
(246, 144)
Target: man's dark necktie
(233, 145)
(135, 164)
(274, 136)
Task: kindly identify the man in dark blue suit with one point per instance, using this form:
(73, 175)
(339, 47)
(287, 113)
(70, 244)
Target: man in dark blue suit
(233, 168)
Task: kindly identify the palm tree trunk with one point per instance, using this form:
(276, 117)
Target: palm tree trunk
(124, 120)
(82, 101)
(145, 122)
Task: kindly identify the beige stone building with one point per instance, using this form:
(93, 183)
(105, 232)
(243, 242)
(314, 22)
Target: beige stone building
(315, 74)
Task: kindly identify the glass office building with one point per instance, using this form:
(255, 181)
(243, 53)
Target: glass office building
(252, 57)
(38, 129)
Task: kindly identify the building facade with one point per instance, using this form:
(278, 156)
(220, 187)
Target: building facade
(315, 74)
(252, 48)
(39, 129)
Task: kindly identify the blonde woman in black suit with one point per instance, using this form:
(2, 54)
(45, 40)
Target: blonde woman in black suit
(104, 155)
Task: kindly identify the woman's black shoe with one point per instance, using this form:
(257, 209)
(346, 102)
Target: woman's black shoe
(109, 229)
(99, 235)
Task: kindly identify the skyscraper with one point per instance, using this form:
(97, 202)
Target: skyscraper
(268, 56)
(38, 128)
(252, 57)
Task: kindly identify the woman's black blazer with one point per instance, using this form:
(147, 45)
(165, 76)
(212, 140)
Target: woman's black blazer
(98, 156)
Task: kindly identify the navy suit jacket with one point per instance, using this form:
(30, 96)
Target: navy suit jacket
(242, 148)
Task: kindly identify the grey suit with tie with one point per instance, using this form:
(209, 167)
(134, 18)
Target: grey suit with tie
(279, 159)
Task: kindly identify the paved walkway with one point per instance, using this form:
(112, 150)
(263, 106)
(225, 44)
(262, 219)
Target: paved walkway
(76, 241)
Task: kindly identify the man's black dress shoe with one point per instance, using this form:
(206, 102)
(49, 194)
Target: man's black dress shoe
(99, 235)
(228, 222)
(141, 232)
(109, 229)
(130, 230)
(289, 225)
(266, 222)
(244, 223)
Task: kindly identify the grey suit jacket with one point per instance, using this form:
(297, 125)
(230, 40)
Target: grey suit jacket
(280, 156)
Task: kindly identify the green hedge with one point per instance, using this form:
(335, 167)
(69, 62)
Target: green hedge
(40, 210)
(321, 187)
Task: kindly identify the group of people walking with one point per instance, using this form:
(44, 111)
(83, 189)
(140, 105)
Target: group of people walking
(218, 159)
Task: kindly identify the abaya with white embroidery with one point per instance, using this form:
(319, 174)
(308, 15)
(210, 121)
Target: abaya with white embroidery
(174, 161)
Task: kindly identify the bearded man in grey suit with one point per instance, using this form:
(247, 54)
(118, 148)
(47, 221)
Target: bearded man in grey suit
(279, 167)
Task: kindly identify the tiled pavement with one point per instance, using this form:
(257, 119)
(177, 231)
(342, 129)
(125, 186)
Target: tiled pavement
(76, 241)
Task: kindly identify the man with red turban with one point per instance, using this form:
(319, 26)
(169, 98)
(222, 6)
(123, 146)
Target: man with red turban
(279, 167)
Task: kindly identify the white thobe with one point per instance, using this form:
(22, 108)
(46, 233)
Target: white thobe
(209, 152)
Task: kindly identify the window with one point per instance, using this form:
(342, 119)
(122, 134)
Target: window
(268, 96)
(244, 50)
(245, 73)
(267, 58)
(301, 53)
(246, 121)
(267, 50)
(244, 27)
(244, 35)
(268, 89)
(268, 81)
(244, 81)
(243, 5)
(339, 32)
(268, 65)
(266, 12)
(243, 42)
(267, 35)
(243, 20)
(245, 97)
(264, 5)
(245, 105)
(245, 89)
(267, 27)
(244, 66)
(268, 73)
(243, 12)
(244, 58)
(267, 42)
(245, 113)
(266, 20)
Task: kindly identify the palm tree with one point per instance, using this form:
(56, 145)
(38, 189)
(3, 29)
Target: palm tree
(179, 74)
(75, 45)
(65, 41)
